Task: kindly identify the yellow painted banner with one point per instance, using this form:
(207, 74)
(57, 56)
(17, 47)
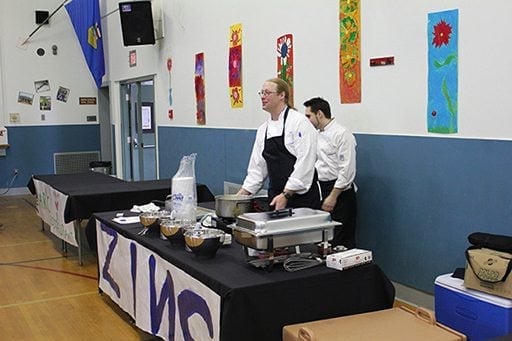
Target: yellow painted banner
(235, 66)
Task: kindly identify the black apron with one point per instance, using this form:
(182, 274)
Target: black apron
(345, 212)
(280, 164)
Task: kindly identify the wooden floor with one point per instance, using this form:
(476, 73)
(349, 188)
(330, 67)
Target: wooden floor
(45, 295)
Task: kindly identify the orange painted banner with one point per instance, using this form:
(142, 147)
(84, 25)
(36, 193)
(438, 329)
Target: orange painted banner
(350, 51)
(235, 66)
(285, 61)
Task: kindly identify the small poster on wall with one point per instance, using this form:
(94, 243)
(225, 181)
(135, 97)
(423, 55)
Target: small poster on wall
(25, 97)
(45, 103)
(42, 86)
(63, 94)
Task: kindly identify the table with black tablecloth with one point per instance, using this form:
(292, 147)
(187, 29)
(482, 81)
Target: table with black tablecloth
(257, 303)
(91, 192)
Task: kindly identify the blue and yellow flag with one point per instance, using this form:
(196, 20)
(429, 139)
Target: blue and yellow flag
(86, 20)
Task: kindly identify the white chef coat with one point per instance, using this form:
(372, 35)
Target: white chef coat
(300, 139)
(336, 155)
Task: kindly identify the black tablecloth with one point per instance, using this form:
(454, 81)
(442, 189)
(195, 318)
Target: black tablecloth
(91, 192)
(256, 303)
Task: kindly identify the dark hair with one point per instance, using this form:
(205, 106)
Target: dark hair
(318, 103)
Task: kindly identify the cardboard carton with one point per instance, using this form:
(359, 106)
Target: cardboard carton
(488, 271)
(389, 324)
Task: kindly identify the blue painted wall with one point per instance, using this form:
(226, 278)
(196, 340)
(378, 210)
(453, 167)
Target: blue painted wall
(222, 154)
(32, 147)
(419, 197)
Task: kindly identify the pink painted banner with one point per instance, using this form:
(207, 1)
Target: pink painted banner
(200, 90)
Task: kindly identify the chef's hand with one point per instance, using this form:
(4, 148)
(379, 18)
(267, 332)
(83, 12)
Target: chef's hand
(279, 202)
(242, 191)
(329, 203)
(330, 200)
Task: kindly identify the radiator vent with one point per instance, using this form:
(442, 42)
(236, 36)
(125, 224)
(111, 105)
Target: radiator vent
(76, 162)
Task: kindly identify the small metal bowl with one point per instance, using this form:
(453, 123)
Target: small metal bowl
(149, 219)
(173, 229)
(204, 242)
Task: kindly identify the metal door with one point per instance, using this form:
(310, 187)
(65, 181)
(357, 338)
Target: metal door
(138, 128)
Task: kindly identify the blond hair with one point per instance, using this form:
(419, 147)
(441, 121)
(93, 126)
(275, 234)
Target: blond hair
(283, 86)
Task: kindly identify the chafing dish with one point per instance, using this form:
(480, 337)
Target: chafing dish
(279, 229)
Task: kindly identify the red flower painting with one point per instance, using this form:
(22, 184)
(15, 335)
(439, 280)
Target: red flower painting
(442, 32)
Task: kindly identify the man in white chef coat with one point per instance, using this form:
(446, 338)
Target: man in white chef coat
(284, 152)
(336, 167)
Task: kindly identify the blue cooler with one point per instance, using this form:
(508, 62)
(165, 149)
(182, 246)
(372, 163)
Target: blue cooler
(478, 315)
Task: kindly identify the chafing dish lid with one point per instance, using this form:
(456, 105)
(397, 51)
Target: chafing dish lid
(300, 219)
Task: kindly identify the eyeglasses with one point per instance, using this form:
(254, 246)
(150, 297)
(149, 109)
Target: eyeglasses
(265, 93)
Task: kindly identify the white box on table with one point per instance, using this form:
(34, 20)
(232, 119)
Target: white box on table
(348, 259)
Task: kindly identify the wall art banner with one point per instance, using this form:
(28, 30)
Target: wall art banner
(443, 55)
(350, 51)
(200, 90)
(235, 66)
(285, 61)
(170, 112)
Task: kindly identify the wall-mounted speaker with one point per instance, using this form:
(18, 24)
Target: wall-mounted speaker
(137, 23)
(41, 17)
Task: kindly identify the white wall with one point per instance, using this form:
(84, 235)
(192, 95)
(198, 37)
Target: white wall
(394, 97)
(21, 66)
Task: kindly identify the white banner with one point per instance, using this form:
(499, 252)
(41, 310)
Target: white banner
(50, 207)
(161, 298)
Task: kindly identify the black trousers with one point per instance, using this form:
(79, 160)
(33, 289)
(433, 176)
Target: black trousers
(345, 212)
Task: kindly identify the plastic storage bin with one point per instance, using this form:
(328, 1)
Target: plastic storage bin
(478, 315)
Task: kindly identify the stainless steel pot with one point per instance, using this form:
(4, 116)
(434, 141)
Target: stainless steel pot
(231, 205)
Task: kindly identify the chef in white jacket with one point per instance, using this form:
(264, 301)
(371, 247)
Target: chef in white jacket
(336, 167)
(284, 152)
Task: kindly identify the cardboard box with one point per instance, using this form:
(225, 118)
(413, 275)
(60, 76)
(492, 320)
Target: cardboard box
(348, 259)
(389, 324)
(486, 270)
(478, 315)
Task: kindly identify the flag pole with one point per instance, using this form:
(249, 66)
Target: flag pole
(44, 22)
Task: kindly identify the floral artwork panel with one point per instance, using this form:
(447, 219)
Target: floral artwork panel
(285, 61)
(235, 66)
(350, 51)
(443, 55)
(200, 89)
